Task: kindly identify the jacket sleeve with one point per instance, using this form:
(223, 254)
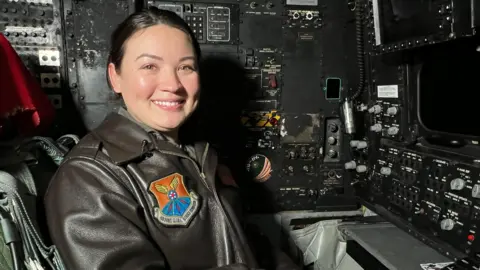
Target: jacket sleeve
(95, 223)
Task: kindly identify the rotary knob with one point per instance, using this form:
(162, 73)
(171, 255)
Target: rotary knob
(376, 128)
(447, 224)
(332, 140)
(350, 165)
(392, 131)
(361, 168)
(457, 184)
(332, 153)
(385, 171)
(392, 111)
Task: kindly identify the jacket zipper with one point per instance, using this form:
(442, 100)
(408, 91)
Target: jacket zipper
(204, 158)
(204, 179)
(217, 199)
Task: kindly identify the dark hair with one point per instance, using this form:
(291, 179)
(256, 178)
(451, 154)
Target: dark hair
(141, 20)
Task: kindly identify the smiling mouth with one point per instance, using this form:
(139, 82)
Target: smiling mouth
(169, 105)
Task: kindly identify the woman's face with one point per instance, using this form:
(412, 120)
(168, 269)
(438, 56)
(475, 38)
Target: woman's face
(158, 79)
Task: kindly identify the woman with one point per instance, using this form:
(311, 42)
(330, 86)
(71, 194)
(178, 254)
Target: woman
(130, 195)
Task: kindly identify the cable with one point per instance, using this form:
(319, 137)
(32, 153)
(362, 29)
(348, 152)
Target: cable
(360, 48)
(15, 256)
(11, 238)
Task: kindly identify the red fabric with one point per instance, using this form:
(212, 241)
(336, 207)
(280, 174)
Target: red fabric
(21, 98)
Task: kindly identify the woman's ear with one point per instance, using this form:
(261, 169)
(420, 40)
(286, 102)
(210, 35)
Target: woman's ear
(114, 78)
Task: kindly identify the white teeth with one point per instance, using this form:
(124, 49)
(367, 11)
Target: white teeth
(167, 103)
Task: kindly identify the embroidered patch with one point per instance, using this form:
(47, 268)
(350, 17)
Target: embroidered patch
(176, 206)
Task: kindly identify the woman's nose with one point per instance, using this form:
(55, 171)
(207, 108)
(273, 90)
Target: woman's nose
(169, 81)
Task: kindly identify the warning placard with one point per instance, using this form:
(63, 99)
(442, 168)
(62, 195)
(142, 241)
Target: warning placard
(387, 91)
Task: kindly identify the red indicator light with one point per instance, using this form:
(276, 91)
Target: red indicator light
(471, 237)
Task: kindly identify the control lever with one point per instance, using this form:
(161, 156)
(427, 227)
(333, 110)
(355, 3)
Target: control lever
(348, 120)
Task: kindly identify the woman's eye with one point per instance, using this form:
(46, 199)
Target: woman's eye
(148, 67)
(187, 68)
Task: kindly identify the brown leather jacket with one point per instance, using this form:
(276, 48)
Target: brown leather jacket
(125, 198)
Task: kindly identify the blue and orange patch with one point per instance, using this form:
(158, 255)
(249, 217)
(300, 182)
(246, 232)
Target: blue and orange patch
(176, 206)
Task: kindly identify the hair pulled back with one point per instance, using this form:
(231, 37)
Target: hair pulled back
(142, 20)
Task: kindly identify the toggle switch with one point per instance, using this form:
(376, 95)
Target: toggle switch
(272, 81)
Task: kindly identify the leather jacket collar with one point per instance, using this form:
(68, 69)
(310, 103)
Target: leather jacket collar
(126, 141)
(123, 112)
